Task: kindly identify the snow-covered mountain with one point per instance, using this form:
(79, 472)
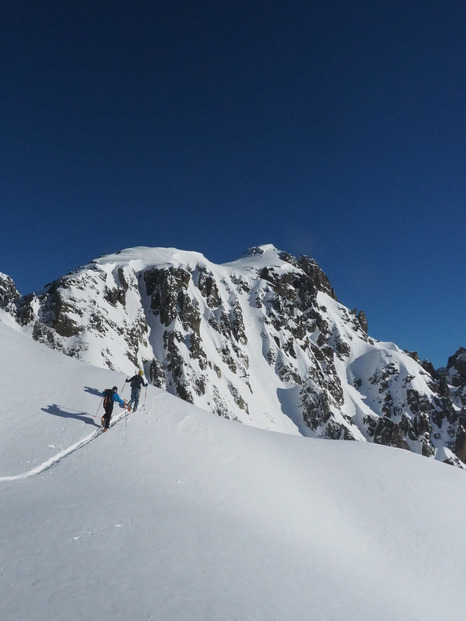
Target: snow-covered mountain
(178, 514)
(262, 340)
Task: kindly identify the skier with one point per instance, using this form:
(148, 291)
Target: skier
(110, 396)
(137, 382)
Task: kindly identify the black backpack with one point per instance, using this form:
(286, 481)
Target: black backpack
(108, 396)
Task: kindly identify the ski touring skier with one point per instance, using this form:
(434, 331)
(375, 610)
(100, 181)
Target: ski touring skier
(110, 395)
(137, 382)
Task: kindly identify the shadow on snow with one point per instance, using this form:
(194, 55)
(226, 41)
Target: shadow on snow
(93, 391)
(57, 410)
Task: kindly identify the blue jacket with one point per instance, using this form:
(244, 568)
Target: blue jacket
(116, 397)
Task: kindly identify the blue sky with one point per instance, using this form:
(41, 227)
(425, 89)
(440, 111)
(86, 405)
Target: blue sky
(334, 129)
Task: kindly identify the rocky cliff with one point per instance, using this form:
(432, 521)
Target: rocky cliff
(262, 340)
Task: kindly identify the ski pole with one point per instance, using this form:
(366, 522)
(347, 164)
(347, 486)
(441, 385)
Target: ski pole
(98, 407)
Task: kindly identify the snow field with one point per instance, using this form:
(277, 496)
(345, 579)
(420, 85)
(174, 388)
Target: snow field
(179, 514)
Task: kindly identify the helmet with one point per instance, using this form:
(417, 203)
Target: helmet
(115, 389)
(141, 373)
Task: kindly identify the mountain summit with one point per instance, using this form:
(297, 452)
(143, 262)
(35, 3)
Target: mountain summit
(262, 340)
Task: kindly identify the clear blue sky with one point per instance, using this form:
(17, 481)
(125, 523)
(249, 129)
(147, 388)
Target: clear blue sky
(330, 128)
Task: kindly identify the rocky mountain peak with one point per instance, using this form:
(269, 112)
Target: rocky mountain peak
(262, 340)
(261, 250)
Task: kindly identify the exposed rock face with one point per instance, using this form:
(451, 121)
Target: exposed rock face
(457, 363)
(262, 340)
(85, 314)
(8, 292)
(455, 379)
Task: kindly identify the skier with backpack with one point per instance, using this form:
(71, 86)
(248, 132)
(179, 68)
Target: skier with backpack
(110, 396)
(137, 382)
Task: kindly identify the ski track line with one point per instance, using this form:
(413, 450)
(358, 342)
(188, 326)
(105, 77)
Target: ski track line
(53, 460)
(49, 463)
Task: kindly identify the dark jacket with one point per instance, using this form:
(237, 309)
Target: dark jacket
(137, 381)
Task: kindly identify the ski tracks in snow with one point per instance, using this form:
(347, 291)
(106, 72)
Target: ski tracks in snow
(53, 460)
(49, 463)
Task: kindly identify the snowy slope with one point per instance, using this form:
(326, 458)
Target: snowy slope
(176, 514)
